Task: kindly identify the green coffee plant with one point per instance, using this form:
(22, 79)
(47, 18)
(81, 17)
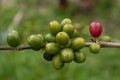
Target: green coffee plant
(62, 44)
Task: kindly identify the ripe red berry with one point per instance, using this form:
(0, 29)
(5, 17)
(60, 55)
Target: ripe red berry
(95, 29)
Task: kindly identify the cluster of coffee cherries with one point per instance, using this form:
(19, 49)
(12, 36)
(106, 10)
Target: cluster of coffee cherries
(62, 44)
(95, 31)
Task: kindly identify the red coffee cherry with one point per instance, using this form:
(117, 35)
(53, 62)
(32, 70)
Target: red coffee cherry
(95, 29)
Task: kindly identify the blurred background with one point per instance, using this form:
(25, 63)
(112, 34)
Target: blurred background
(33, 16)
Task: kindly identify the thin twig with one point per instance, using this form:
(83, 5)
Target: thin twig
(23, 47)
(106, 44)
(102, 44)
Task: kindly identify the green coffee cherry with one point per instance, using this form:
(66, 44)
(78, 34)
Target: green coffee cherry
(105, 39)
(54, 27)
(13, 39)
(52, 48)
(57, 62)
(41, 36)
(36, 41)
(62, 38)
(80, 57)
(69, 29)
(75, 34)
(77, 43)
(67, 55)
(50, 38)
(66, 21)
(94, 48)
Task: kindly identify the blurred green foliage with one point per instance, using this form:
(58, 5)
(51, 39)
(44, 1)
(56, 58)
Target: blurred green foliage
(29, 65)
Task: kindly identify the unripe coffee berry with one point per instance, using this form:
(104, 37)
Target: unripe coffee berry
(95, 29)
(77, 43)
(62, 38)
(66, 21)
(68, 28)
(67, 55)
(57, 62)
(75, 34)
(54, 27)
(52, 48)
(80, 57)
(41, 36)
(105, 39)
(50, 38)
(36, 41)
(94, 48)
(13, 39)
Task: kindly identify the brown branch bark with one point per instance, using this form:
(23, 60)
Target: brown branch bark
(106, 44)
(102, 44)
(23, 47)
